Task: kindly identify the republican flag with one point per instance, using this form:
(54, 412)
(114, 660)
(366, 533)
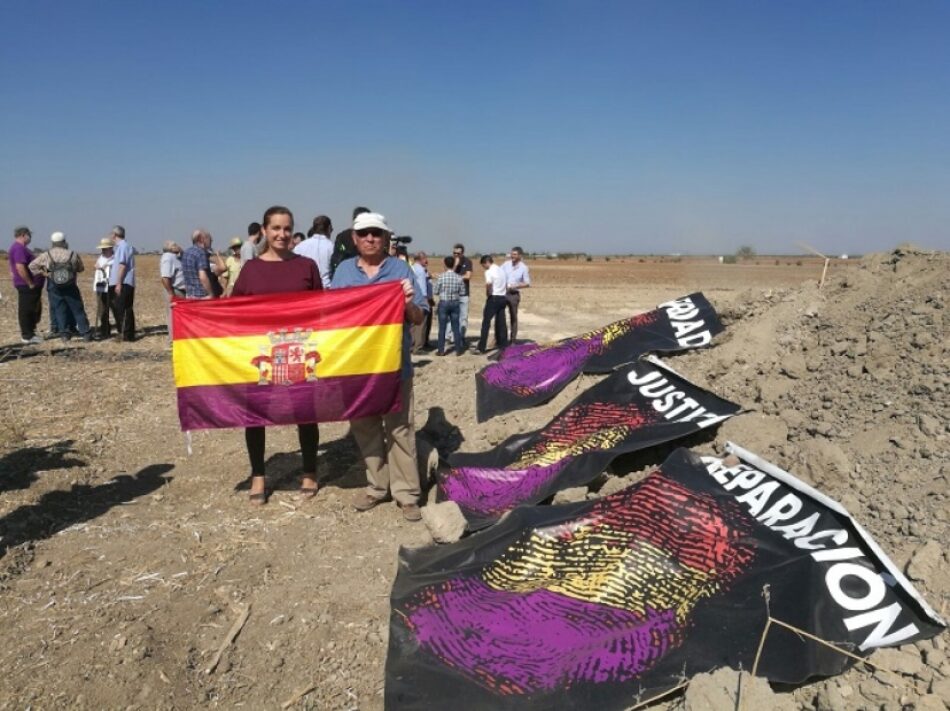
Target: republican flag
(280, 359)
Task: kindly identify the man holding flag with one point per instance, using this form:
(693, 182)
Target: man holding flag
(387, 442)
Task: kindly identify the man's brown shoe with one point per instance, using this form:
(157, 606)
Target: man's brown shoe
(411, 512)
(365, 501)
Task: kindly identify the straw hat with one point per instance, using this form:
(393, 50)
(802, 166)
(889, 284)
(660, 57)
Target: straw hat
(106, 243)
(235, 242)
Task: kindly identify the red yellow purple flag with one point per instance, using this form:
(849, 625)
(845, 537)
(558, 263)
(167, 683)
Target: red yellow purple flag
(280, 359)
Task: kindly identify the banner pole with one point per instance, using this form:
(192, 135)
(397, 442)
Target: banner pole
(827, 259)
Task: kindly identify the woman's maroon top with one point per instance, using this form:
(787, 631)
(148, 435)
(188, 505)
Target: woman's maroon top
(262, 277)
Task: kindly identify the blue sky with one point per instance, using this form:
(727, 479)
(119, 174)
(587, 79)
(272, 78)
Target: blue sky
(603, 127)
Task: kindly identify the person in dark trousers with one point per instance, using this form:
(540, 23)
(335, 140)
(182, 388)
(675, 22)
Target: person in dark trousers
(105, 294)
(278, 270)
(29, 288)
(518, 276)
(343, 246)
(496, 289)
(122, 279)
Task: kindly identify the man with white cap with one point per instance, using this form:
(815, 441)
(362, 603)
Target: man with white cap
(387, 442)
(60, 265)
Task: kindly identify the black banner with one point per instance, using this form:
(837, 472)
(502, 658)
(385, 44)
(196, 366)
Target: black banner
(528, 374)
(636, 407)
(606, 603)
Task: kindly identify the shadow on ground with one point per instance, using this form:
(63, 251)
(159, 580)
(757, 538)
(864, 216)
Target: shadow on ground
(20, 468)
(57, 510)
(340, 465)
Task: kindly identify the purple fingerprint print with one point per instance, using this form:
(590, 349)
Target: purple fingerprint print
(521, 643)
(491, 492)
(531, 368)
(517, 349)
(539, 369)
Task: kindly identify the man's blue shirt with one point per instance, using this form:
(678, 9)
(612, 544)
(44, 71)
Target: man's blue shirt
(124, 254)
(349, 273)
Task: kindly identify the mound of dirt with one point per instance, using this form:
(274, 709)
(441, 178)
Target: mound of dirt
(847, 388)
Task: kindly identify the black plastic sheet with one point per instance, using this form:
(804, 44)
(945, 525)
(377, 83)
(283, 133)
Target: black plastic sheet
(636, 407)
(528, 374)
(602, 604)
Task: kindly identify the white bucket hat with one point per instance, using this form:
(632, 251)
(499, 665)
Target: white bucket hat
(369, 220)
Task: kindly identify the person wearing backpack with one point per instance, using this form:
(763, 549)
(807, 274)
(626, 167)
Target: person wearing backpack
(61, 265)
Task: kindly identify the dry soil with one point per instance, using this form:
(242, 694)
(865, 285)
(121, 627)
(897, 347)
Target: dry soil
(125, 561)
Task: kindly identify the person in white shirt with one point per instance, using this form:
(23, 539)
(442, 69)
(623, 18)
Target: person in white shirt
(516, 272)
(105, 294)
(496, 288)
(319, 247)
(173, 278)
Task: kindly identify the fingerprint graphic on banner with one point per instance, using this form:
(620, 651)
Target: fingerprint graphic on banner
(600, 598)
(527, 374)
(586, 427)
(546, 367)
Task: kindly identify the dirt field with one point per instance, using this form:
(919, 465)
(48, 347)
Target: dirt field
(124, 561)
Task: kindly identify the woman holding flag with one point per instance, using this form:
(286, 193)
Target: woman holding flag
(279, 270)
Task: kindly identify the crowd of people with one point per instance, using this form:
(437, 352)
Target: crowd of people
(275, 259)
(58, 270)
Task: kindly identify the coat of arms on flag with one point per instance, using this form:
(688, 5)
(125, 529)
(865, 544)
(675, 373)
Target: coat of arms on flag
(290, 359)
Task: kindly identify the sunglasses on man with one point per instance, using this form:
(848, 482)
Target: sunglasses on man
(371, 232)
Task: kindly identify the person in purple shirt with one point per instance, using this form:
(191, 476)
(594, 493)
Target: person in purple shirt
(29, 287)
(386, 442)
(278, 270)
